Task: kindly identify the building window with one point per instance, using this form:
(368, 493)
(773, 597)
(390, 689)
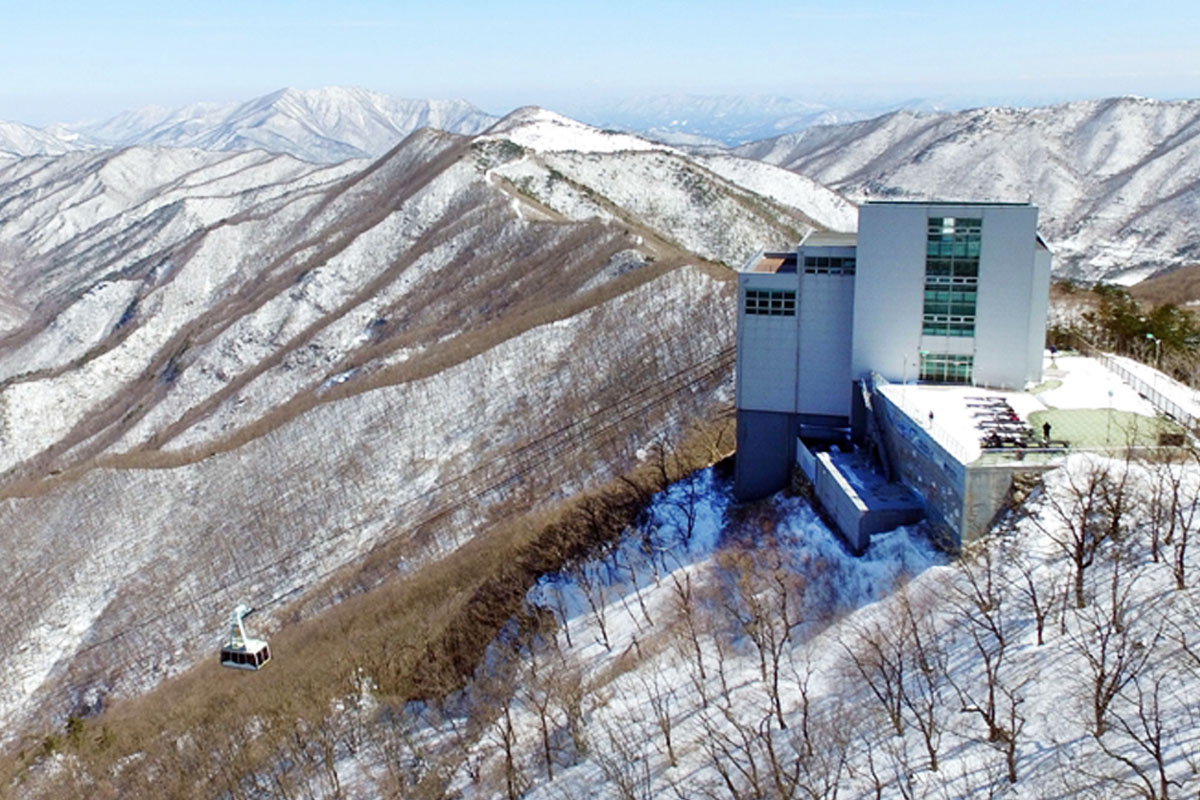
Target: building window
(946, 368)
(772, 302)
(829, 265)
(951, 275)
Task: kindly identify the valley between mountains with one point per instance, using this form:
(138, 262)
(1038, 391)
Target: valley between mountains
(227, 375)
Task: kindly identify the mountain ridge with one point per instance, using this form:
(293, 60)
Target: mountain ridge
(354, 346)
(1115, 179)
(324, 125)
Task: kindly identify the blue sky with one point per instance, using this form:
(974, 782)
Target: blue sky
(74, 60)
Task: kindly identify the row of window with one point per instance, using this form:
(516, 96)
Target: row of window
(964, 267)
(773, 302)
(948, 325)
(958, 282)
(954, 247)
(952, 226)
(940, 302)
(829, 265)
(946, 368)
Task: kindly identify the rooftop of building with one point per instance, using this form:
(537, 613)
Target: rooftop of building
(873, 489)
(771, 262)
(957, 203)
(829, 239)
(1089, 405)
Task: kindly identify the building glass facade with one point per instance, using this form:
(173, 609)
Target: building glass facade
(946, 368)
(951, 276)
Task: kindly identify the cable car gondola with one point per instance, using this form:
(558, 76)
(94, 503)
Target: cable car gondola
(239, 650)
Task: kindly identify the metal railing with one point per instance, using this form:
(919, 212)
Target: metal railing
(1147, 390)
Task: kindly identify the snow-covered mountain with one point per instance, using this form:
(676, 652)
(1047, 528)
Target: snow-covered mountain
(319, 125)
(696, 120)
(1117, 181)
(17, 140)
(224, 376)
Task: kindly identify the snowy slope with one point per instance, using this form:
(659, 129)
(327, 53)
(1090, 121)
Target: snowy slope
(318, 125)
(720, 651)
(1116, 180)
(547, 132)
(579, 171)
(329, 357)
(830, 209)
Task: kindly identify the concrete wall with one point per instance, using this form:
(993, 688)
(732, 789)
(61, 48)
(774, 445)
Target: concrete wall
(1037, 314)
(849, 512)
(826, 308)
(806, 461)
(766, 443)
(842, 503)
(1004, 317)
(889, 295)
(923, 465)
(964, 498)
(986, 492)
(767, 350)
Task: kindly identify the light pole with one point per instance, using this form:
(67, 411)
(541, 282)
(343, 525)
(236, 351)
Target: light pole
(1108, 431)
(1157, 344)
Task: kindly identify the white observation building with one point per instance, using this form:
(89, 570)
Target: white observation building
(942, 292)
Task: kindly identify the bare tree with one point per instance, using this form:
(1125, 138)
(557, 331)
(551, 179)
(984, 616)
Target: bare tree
(596, 591)
(1041, 594)
(536, 693)
(921, 691)
(624, 764)
(1081, 517)
(689, 626)
(661, 697)
(493, 696)
(731, 749)
(766, 603)
(877, 654)
(1184, 507)
(1146, 727)
(979, 600)
(1113, 652)
(1012, 732)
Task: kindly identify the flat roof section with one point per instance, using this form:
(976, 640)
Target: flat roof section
(1087, 405)
(830, 239)
(775, 262)
(876, 493)
(944, 203)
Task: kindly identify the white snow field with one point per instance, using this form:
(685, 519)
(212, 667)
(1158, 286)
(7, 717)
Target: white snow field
(720, 651)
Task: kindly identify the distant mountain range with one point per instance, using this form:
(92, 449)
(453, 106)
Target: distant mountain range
(718, 120)
(18, 140)
(336, 123)
(1117, 180)
(317, 125)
